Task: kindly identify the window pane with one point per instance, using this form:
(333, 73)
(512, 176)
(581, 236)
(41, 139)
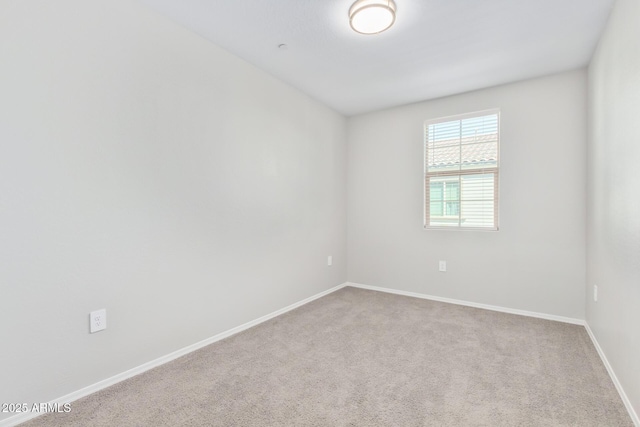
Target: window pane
(478, 214)
(443, 146)
(452, 208)
(444, 158)
(477, 200)
(452, 189)
(436, 198)
(462, 144)
(479, 142)
(452, 197)
(481, 152)
(477, 126)
(444, 131)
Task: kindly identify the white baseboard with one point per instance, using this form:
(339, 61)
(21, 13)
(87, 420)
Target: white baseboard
(614, 378)
(472, 304)
(25, 416)
(22, 417)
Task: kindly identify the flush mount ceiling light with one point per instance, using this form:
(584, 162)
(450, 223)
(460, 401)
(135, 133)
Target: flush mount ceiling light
(372, 16)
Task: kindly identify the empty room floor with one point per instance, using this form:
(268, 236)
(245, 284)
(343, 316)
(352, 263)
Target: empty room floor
(364, 358)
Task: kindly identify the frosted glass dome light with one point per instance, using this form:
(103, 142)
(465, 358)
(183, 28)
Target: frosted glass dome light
(372, 16)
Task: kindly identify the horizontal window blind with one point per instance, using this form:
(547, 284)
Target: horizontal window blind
(461, 171)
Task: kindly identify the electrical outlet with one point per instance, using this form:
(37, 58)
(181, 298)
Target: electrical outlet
(329, 260)
(595, 293)
(442, 266)
(97, 320)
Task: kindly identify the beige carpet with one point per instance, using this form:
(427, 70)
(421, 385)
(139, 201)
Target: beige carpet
(364, 358)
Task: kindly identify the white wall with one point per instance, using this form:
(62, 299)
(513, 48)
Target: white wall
(146, 171)
(536, 261)
(613, 226)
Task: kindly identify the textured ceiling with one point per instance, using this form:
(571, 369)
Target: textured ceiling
(436, 48)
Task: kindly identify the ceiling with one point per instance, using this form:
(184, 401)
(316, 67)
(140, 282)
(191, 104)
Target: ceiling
(436, 47)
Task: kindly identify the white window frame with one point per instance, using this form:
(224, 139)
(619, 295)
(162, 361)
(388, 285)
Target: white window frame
(459, 174)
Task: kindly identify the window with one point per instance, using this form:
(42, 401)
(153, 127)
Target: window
(461, 171)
